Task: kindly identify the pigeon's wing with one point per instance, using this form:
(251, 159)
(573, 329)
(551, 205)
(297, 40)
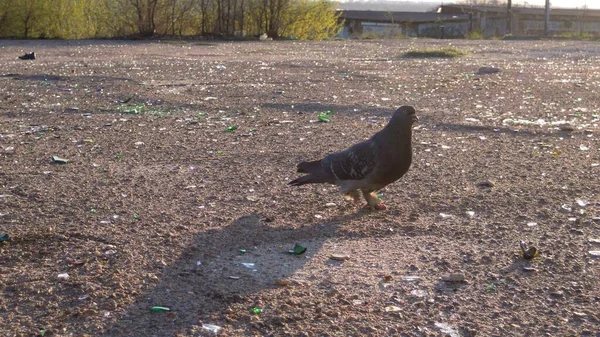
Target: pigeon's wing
(355, 163)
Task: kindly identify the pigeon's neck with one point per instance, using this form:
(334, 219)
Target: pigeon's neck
(401, 136)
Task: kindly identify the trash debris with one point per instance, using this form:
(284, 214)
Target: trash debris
(42, 332)
(410, 278)
(582, 147)
(339, 257)
(30, 56)
(298, 250)
(582, 203)
(418, 293)
(528, 253)
(63, 276)
(454, 277)
(257, 310)
(446, 328)
(159, 309)
(4, 237)
(221, 67)
(323, 117)
(330, 204)
(594, 253)
(248, 265)
(531, 224)
(387, 278)
(530, 269)
(234, 277)
(595, 241)
(470, 214)
(212, 328)
(243, 251)
(58, 160)
(231, 128)
(445, 216)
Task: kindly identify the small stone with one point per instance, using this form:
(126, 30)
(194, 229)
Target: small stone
(486, 183)
(566, 127)
(488, 70)
(330, 204)
(252, 198)
(339, 257)
(454, 277)
(595, 241)
(392, 308)
(282, 283)
(63, 276)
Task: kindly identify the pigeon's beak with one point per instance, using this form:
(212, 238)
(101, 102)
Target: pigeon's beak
(415, 118)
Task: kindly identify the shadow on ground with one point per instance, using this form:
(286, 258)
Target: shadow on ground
(210, 275)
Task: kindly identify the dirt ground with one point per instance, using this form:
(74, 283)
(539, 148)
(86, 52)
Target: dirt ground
(157, 199)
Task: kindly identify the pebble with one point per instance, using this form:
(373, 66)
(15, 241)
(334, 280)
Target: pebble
(488, 70)
(486, 183)
(566, 127)
(454, 277)
(392, 308)
(339, 257)
(596, 241)
(330, 204)
(282, 283)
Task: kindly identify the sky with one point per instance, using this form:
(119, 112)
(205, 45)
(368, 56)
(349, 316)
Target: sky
(554, 3)
(563, 3)
(595, 4)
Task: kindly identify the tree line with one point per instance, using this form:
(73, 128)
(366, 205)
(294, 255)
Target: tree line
(79, 19)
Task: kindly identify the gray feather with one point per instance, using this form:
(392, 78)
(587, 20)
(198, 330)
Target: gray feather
(369, 165)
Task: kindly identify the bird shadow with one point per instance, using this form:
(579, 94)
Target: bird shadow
(212, 274)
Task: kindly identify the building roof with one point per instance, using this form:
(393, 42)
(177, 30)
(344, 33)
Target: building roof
(380, 16)
(517, 9)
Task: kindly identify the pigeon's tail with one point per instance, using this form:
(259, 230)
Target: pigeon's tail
(309, 166)
(307, 179)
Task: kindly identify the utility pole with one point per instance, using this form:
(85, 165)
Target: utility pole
(547, 20)
(509, 17)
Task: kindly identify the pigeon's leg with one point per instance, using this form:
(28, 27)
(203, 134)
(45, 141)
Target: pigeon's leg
(373, 201)
(354, 196)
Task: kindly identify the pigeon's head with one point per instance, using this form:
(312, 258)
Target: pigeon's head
(404, 116)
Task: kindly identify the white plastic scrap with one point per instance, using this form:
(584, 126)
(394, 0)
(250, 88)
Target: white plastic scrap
(211, 327)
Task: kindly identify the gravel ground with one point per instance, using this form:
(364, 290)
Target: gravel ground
(158, 199)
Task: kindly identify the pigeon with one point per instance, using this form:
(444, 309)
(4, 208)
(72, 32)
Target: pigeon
(367, 166)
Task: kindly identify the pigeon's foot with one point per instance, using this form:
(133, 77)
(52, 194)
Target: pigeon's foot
(373, 201)
(377, 207)
(353, 196)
